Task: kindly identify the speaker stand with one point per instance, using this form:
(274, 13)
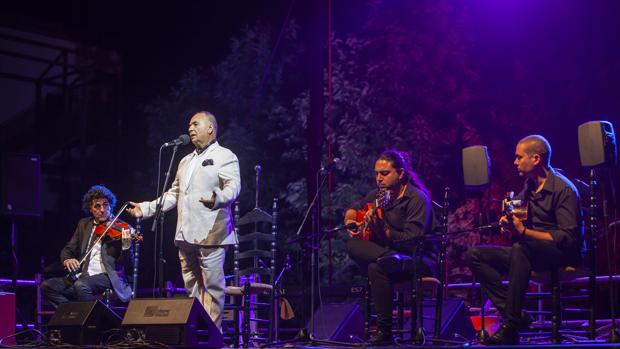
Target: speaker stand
(613, 331)
(482, 335)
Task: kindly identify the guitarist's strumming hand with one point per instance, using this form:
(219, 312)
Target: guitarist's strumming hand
(512, 226)
(373, 221)
(515, 213)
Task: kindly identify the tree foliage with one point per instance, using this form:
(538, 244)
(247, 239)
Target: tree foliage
(407, 76)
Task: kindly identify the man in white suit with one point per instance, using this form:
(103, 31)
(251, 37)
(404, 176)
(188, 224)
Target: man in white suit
(206, 184)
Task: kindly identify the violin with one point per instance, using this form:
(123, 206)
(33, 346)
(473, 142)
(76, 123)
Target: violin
(115, 231)
(383, 201)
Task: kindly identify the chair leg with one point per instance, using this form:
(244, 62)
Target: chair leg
(246, 316)
(555, 313)
(367, 315)
(272, 315)
(236, 314)
(592, 299)
(401, 310)
(414, 308)
(39, 301)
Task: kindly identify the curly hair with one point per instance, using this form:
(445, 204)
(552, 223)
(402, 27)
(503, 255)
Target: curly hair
(98, 192)
(401, 160)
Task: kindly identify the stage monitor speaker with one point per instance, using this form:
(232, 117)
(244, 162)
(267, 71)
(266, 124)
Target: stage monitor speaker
(597, 144)
(82, 323)
(342, 322)
(172, 321)
(7, 324)
(476, 167)
(20, 184)
(455, 320)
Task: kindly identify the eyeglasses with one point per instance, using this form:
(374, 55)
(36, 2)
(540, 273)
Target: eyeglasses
(104, 205)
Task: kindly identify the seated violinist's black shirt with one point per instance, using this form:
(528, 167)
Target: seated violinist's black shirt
(555, 209)
(409, 217)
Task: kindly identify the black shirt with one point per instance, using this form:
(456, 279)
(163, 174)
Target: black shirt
(555, 209)
(409, 217)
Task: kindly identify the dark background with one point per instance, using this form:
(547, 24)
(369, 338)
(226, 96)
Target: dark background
(439, 76)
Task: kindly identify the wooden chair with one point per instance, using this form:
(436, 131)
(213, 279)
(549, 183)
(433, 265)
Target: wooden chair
(252, 288)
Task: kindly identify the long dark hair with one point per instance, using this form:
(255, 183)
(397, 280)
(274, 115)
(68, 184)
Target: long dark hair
(401, 161)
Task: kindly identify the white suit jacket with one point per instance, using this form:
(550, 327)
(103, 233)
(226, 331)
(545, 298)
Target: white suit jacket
(216, 171)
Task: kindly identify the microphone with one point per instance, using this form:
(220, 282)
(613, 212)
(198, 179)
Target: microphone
(182, 140)
(489, 226)
(350, 226)
(257, 168)
(330, 165)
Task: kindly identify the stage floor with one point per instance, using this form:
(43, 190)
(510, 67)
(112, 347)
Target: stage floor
(330, 346)
(584, 345)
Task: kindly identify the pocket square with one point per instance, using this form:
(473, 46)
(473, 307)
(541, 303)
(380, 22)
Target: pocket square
(207, 162)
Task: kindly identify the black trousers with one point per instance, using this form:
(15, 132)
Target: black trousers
(86, 288)
(490, 263)
(365, 253)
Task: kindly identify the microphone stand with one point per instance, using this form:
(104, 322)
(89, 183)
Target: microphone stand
(418, 335)
(159, 218)
(136, 259)
(613, 337)
(303, 335)
(442, 267)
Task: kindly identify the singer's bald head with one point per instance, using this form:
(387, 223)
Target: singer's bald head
(202, 129)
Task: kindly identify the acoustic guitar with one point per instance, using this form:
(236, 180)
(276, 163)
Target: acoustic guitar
(383, 201)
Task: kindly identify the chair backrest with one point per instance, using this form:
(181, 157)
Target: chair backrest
(255, 254)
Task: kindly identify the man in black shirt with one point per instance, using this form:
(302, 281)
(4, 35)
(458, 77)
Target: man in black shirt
(550, 237)
(405, 217)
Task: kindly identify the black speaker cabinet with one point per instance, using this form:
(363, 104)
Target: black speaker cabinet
(20, 181)
(342, 322)
(455, 320)
(83, 323)
(476, 167)
(172, 321)
(597, 144)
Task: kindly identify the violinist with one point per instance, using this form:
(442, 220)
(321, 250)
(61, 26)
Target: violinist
(104, 267)
(399, 210)
(550, 237)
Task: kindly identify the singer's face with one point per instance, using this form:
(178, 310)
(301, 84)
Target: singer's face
(100, 209)
(386, 176)
(200, 130)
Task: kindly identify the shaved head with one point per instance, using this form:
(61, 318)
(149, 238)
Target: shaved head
(537, 144)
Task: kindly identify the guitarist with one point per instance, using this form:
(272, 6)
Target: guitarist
(551, 237)
(103, 268)
(407, 215)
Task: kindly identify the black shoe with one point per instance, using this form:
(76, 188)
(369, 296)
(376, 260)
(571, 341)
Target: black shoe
(504, 336)
(381, 337)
